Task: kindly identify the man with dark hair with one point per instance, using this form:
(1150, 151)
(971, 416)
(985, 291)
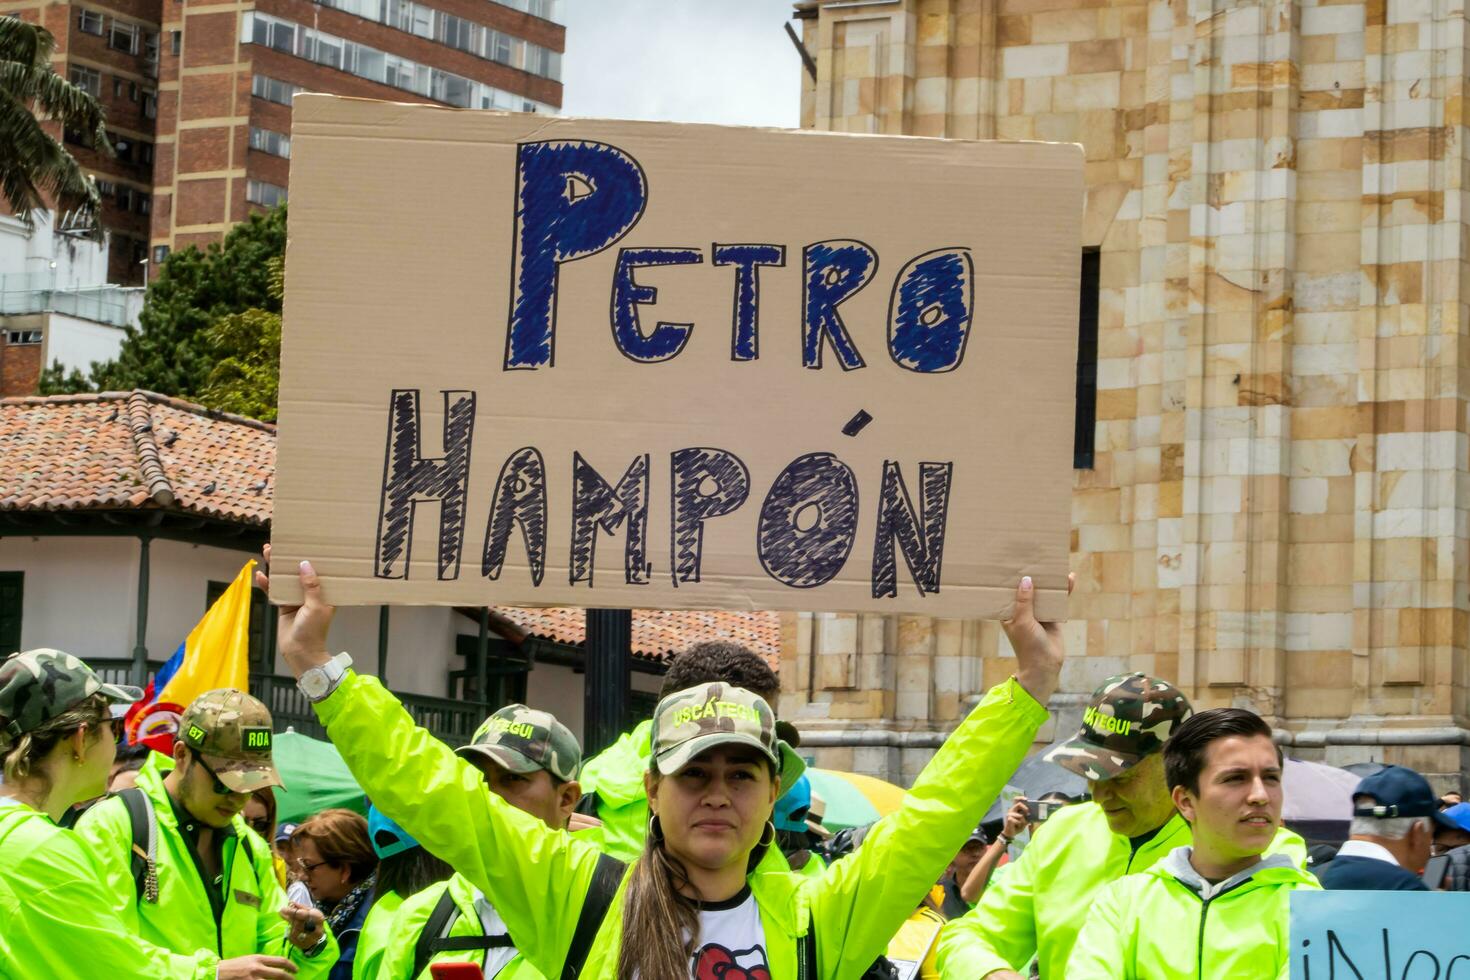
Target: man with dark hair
(612, 781)
(1221, 906)
(179, 862)
(1395, 814)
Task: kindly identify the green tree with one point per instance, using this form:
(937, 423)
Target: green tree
(171, 351)
(247, 375)
(36, 171)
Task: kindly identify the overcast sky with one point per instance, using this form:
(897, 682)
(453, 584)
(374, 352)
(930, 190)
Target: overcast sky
(715, 61)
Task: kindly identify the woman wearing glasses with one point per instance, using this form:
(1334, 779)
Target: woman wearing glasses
(57, 742)
(335, 857)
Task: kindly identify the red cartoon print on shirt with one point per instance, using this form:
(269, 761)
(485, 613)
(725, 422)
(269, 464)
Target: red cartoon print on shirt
(715, 962)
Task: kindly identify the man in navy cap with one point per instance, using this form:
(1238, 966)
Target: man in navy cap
(1395, 813)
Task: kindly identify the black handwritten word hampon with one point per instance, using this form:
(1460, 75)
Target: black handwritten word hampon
(574, 199)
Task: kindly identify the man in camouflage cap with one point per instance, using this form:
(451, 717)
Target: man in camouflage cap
(530, 760)
(38, 685)
(210, 882)
(1128, 720)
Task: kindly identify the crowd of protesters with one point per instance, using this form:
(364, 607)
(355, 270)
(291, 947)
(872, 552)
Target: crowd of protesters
(692, 848)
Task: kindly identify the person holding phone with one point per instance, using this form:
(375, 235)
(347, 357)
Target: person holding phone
(689, 906)
(57, 742)
(208, 881)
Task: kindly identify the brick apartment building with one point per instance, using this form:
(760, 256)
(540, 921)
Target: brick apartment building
(198, 97)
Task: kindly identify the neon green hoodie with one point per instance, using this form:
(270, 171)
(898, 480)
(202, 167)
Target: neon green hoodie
(1038, 907)
(413, 916)
(537, 878)
(57, 922)
(616, 775)
(375, 935)
(1169, 923)
(182, 919)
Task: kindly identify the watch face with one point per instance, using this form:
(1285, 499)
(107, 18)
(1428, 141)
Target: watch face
(314, 682)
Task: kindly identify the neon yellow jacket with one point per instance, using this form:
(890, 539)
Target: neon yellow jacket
(182, 919)
(413, 916)
(1168, 923)
(375, 935)
(1038, 906)
(56, 921)
(537, 878)
(616, 775)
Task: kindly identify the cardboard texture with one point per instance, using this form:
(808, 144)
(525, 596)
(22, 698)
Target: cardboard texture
(549, 361)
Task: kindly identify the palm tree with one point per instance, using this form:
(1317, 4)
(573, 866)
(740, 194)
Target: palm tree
(36, 171)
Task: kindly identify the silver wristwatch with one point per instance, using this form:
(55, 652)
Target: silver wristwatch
(319, 682)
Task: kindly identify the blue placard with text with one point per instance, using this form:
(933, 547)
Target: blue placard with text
(1351, 935)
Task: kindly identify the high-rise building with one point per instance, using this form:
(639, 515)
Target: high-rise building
(198, 98)
(227, 73)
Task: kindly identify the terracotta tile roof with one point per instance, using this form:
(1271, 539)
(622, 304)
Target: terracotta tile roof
(135, 451)
(659, 634)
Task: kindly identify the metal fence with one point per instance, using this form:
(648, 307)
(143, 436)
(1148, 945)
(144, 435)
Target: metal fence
(22, 292)
(453, 722)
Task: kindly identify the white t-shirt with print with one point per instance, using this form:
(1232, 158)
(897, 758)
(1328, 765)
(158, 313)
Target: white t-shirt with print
(732, 941)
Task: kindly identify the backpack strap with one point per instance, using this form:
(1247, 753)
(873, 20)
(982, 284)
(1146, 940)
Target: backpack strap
(144, 861)
(440, 920)
(606, 878)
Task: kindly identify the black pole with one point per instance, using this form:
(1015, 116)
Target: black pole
(609, 674)
(482, 657)
(383, 645)
(140, 647)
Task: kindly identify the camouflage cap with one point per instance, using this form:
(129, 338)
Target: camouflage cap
(231, 731)
(523, 739)
(38, 685)
(691, 721)
(1129, 718)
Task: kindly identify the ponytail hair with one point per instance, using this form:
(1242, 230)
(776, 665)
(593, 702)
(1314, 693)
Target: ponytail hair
(660, 925)
(24, 754)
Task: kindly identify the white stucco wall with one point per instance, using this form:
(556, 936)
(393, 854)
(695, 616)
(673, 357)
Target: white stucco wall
(81, 596)
(76, 343)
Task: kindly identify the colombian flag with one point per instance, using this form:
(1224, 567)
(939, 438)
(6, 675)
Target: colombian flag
(215, 654)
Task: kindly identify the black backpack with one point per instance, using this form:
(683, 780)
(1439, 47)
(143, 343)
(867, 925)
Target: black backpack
(432, 940)
(144, 860)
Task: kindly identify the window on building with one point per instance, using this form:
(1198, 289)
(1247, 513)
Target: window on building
(117, 87)
(160, 252)
(12, 596)
(265, 194)
(256, 630)
(121, 148)
(272, 90)
(106, 188)
(88, 80)
(270, 141)
(20, 338)
(124, 36)
(90, 22)
(150, 105)
(150, 45)
(175, 42)
(74, 137)
(143, 204)
(124, 197)
(1086, 428)
(145, 153)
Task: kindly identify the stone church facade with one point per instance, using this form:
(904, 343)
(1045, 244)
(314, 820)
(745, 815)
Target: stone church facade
(1273, 511)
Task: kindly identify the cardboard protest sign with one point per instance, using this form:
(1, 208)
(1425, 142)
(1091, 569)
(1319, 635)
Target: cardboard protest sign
(1380, 935)
(573, 362)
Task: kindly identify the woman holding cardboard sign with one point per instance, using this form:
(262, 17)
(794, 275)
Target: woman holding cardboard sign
(690, 905)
